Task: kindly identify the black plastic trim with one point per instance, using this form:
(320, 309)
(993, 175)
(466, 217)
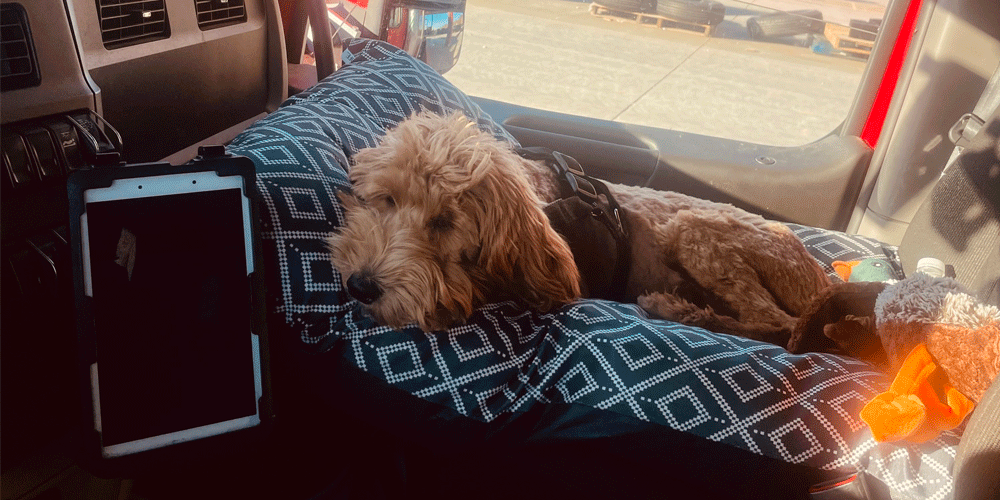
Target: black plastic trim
(13, 18)
(814, 184)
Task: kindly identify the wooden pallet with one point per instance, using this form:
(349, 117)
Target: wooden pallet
(840, 39)
(651, 20)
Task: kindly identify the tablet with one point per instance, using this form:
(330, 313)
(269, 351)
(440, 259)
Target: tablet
(172, 351)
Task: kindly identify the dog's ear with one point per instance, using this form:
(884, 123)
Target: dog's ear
(520, 252)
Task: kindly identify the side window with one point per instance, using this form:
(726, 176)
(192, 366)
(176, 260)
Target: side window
(773, 72)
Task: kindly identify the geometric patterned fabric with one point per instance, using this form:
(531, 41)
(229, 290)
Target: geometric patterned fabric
(828, 246)
(600, 355)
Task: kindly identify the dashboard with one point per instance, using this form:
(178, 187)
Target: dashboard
(88, 82)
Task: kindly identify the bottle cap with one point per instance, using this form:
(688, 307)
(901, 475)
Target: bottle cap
(931, 267)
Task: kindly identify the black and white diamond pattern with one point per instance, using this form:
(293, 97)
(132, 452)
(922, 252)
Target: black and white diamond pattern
(400, 362)
(637, 351)
(828, 246)
(602, 355)
(682, 409)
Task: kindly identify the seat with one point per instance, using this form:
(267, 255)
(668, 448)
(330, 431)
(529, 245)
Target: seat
(595, 398)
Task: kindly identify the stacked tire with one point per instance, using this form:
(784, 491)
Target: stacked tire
(864, 30)
(629, 5)
(707, 12)
(791, 23)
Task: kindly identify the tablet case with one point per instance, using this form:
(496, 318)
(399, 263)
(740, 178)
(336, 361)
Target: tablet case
(210, 159)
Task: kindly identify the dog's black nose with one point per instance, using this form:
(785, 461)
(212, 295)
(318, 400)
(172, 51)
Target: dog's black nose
(363, 288)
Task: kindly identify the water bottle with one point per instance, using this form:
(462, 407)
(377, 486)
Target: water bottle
(931, 267)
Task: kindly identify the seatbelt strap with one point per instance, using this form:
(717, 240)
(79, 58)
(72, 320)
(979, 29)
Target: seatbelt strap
(968, 125)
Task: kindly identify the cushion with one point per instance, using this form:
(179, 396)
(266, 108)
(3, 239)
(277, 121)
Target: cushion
(828, 246)
(594, 383)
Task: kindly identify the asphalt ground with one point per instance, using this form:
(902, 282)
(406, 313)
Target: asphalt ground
(555, 55)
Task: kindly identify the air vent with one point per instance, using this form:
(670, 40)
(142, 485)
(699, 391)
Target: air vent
(19, 64)
(129, 22)
(218, 13)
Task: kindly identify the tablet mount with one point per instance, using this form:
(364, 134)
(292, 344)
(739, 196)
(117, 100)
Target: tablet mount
(215, 162)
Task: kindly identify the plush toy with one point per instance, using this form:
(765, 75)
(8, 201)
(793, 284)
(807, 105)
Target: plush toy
(920, 403)
(841, 319)
(943, 345)
(870, 269)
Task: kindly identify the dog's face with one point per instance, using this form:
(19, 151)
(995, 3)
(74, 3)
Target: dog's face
(442, 219)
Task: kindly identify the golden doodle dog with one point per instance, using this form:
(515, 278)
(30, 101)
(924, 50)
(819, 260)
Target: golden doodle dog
(445, 218)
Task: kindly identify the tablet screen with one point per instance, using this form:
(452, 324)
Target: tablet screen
(171, 305)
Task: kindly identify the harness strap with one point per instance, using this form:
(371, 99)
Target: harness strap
(574, 182)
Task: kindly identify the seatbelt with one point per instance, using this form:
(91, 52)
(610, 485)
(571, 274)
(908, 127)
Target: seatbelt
(969, 124)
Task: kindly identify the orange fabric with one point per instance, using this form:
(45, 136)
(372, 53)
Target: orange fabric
(912, 409)
(843, 268)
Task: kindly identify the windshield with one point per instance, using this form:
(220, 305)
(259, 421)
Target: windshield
(774, 72)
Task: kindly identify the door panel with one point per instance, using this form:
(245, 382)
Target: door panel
(605, 160)
(815, 184)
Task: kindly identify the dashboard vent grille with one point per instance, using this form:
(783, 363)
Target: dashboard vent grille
(17, 52)
(130, 22)
(218, 13)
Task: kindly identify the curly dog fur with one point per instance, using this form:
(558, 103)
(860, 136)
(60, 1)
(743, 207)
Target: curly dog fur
(445, 218)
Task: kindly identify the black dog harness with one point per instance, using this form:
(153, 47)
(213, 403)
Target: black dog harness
(574, 183)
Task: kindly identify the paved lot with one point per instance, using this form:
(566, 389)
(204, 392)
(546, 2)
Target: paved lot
(555, 55)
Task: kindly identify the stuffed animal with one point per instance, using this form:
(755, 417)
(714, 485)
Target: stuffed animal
(943, 345)
(870, 269)
(841, 318)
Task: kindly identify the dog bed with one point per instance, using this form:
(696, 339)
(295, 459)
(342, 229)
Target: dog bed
(600, 397)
